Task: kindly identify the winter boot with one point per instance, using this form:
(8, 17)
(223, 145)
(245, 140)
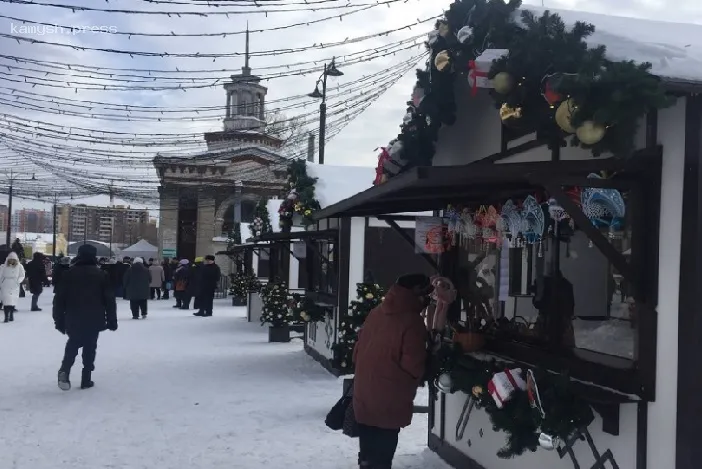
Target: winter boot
(85, 381)
(7, 316)
(12, 315)
(63, 382)
(199, 313)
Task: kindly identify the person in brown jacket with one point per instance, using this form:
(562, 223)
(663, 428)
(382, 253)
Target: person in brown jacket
(389, 357)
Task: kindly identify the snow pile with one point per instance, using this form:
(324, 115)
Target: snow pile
(673, 49)
(200, 392)
(612, 337)
(336, 183)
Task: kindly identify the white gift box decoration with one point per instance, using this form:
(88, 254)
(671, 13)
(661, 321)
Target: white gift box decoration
(503, 384)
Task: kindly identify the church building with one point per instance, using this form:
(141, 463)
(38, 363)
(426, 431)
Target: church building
(203, 194)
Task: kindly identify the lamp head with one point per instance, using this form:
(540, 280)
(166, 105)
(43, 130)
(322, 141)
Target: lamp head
(316, 93)
(332, 71)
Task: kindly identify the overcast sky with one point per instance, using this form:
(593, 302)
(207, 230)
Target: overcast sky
(354, 145)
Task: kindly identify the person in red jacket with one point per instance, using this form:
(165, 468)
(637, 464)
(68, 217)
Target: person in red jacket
(390, 358)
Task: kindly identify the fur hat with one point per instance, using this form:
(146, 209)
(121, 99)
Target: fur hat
(138, 260)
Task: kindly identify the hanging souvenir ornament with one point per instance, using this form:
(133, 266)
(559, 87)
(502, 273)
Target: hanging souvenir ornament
(444, 383)
(534, 221)
(468, 229)
(564, 115)
(490, 219)
(590, 132)
(503, 385)
(464, 34)
(555, 211)
(512, 222)
(453, 218)
(551, 96)
(510, 115)
(442, 61)
(503, 83)
(603, 207)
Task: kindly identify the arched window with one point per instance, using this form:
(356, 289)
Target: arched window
(235, 104)
(247, 211)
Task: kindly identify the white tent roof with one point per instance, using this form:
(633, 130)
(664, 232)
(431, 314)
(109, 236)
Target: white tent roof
(142, 248)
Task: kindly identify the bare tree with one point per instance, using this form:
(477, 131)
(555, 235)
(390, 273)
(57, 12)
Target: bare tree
(289, 129)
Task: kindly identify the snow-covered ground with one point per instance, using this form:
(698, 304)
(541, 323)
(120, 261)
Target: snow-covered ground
(174, 392)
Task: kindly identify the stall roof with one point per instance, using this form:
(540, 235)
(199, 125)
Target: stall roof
(434, 187)
(299, 235)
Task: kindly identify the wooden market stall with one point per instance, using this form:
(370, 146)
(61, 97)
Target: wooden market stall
(586, 267)
(339, 254)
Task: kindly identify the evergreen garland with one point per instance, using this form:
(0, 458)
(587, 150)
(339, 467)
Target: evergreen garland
(304, 309)
(301, 198)
(369, 296)
(262, 220)
(614, 95)
(275, 304)
(564, 411)
(234, 236)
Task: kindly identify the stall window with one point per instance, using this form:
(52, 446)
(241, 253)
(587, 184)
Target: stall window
(560, 294)
(322, 266)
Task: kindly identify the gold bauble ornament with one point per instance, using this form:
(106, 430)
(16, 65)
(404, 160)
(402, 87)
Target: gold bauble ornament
(590, 132)
(508, 113)
(503, 82)
(442, 60)
(564, 114)
(477, 391)
(444, 29)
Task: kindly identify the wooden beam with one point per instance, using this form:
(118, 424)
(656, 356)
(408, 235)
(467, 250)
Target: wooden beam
(430, 260)
(610, 252)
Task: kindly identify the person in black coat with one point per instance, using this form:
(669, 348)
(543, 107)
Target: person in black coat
(193, 290)
(60, 270)
(36, 278)
(167, 278)
(117, 279)
(137, 288)
(84, 306)
(210, 276)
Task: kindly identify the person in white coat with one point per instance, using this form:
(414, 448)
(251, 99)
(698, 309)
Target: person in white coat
(11, 276)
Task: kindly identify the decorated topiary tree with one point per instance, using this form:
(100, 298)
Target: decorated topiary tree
(369, 296)
(301, 199)
(275, 311)
(262, 220)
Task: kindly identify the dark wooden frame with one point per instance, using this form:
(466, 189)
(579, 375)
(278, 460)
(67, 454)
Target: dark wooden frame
(689, 384)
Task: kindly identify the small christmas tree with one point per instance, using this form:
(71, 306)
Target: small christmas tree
(262, 219)
(370, 295)
(234, 237)
(275, 304)
(242, 283)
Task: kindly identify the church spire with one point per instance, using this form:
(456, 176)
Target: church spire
(246, 70)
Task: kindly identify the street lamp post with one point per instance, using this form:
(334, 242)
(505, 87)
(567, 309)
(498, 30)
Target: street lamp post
(9, 205)
(330, 70)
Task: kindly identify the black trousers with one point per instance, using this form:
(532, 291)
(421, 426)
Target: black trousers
(155, 291)
(166, 293)
(35, 301)
(86, 341)
(206, 302)
(377, 446)
(136, 305)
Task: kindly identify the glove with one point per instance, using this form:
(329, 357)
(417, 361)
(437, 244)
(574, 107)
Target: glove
(112, 326)
(60, 328)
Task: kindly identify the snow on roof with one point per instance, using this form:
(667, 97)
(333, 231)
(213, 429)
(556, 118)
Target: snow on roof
(33, 237)
(336, 183)
(140, 246)
(673, 49)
